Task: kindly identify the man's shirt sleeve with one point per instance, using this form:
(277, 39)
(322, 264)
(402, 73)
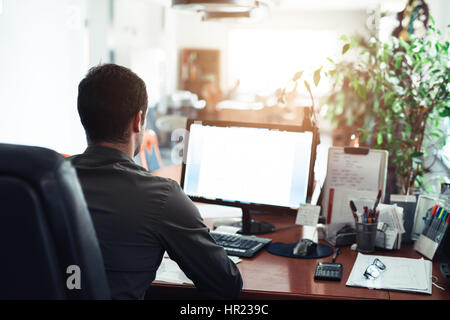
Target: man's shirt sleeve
(188, 242)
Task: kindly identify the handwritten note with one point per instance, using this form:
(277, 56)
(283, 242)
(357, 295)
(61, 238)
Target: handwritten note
(354, 171)
(308, 215)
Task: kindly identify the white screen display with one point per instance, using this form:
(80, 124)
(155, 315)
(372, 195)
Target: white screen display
(249, 165)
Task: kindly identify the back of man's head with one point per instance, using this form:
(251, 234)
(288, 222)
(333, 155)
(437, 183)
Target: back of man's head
(108, 98)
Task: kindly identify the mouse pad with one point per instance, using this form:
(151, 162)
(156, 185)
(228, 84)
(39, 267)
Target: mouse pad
(286, 249)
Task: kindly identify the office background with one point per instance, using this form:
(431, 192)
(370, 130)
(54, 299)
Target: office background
(48, 46)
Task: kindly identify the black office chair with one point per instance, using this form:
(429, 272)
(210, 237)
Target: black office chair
(45, 228)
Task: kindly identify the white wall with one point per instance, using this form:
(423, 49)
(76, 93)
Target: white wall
(191, 32)
(99, 26)
(142, 39)
(440, 11)
(43, 56)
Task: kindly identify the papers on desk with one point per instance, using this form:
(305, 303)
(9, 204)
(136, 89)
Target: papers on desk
(402, 274)
(392, 217)
(210, 211)
(169, 271)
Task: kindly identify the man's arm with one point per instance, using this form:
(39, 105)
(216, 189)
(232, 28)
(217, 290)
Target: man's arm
(188, 242)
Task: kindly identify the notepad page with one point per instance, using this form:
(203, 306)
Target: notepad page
(352, 171)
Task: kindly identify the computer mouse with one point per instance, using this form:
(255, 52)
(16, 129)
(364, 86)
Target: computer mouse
(305, 247)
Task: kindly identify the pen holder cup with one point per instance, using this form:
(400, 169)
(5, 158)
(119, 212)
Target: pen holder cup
(366, 234)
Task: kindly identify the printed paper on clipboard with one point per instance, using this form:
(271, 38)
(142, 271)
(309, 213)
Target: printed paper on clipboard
(363, 172)
(338, 205)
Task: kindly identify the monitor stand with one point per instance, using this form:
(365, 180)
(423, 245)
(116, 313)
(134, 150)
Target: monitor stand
(250, 226)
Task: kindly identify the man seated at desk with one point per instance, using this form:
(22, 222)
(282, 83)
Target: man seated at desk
(138, 216)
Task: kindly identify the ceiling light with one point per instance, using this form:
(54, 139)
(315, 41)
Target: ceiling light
(215, 5)
(252, 15)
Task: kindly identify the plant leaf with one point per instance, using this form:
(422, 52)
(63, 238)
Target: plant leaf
(345, 48)
(317, 76)
(343, 38)
(297, 76)
(379, 138)
(307, 86)
(361, 92)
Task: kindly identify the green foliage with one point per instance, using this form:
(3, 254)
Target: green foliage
(396, 93)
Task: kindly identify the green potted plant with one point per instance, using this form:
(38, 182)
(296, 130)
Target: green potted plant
(396, 94)
(408, 82)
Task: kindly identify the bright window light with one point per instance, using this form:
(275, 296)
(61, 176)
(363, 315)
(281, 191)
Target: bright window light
(265, 59)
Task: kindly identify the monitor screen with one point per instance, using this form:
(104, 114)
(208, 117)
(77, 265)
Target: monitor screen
(249, 165)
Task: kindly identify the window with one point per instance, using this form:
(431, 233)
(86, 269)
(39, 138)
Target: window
(265, 59)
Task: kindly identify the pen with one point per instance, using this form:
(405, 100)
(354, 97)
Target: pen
(336, 253)
(377, 213)
(377, 201)
(353, 208)
(365, 213)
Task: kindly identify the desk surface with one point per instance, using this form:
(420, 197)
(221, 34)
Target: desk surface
(267, 276)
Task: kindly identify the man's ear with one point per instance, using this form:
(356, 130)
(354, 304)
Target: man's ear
(137, 122)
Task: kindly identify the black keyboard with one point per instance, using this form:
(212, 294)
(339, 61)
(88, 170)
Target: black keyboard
(240, 245)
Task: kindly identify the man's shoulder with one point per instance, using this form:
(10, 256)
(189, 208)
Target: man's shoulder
(144, 181)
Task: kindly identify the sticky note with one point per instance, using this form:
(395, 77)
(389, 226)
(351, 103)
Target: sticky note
(307, 215)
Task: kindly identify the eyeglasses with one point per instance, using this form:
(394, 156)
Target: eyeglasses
(374, 270)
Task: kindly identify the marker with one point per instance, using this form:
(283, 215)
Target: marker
(435, 223)
(439, 229)
(438, 218)
(447, 221)
(427, 227)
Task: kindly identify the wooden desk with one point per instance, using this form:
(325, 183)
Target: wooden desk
(267, 276)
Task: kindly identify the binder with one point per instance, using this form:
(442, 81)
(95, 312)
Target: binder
(361, 170)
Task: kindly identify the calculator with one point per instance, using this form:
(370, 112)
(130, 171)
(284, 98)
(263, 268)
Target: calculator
(328, 271)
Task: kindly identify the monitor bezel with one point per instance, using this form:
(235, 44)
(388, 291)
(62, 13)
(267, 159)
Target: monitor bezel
(253, 206)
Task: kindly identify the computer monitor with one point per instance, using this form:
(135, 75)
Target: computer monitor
(259, 167)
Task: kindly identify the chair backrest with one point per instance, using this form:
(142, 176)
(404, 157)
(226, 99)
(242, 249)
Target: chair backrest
(48, 245)
(149, 155)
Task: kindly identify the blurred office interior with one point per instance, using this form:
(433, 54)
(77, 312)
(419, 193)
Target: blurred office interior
(194, 66)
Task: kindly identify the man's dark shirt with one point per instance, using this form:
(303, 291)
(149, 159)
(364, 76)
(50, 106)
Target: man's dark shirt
(138, 216)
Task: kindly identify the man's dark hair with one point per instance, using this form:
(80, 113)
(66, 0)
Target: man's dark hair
(108, 98)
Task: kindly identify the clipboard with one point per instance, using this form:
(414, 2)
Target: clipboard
(350, 168)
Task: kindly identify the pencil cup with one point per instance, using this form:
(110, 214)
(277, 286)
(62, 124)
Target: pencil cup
(366, 234)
